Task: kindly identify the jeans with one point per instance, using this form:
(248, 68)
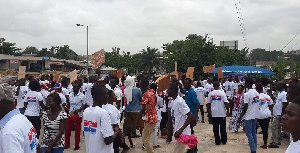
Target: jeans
(250, 129)
(219, 125)
(148, 130)
(53, 150)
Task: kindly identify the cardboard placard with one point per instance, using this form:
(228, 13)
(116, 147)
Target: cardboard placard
(209, 68)
(22, 72)
(190, 72)
(56, 76)
(220, 72)
(73, 76)
(163, 83)
(98, 58)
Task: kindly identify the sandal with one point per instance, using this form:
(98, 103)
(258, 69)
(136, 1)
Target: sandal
(144, 148)
(158, 146)
(132, 146)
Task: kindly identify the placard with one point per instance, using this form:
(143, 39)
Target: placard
(220, 72)
(73, 76)
(22, 72)
(190, 72)
(209, 68)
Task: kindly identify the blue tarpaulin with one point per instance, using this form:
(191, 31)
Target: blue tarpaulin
(243, 70)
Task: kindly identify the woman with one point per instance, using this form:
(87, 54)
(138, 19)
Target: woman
(55, 120)
(290, 122)
(238, 100)
(265, 105)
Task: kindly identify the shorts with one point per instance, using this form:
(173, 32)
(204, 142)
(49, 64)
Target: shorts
(131, 118)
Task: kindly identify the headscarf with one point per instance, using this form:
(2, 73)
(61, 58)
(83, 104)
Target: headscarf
(6, 93)
(129, 83)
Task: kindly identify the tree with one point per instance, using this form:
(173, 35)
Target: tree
(64, 52)
(30, 50)
(44, 52)
(8, 48)
(149, 60)
(196, 51)
(259, 54)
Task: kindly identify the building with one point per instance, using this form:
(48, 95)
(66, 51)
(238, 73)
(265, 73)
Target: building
(229, 44)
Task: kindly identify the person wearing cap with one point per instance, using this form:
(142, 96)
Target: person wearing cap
(17, 134)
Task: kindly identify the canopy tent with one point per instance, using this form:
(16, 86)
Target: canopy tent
(243, 70)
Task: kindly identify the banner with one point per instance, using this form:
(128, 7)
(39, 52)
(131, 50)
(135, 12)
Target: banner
(73, 76)
(98, 58)
(220, 72)
(209, 68)
(22, 71)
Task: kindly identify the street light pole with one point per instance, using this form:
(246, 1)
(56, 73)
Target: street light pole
(87, 48)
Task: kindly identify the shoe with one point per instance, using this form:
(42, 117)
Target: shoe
(67, 147)
(264, 146)
(273, 146)
(76, 148)
(202, 121)
(260, 132)
(224, 143)
(218, 144)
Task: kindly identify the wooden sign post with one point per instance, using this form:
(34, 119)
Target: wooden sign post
(22, 71)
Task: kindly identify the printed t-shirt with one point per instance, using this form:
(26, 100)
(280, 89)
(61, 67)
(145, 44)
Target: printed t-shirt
(33, 99)
(150, 102)
(252, 99)
(265, 101)
(113, 113)
(281, 98)
(76, 101)
(217, 98)
(17, 134)
(21, 97)
(96, 127)
(200, 91)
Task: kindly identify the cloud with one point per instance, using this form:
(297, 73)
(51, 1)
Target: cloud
(133, 25)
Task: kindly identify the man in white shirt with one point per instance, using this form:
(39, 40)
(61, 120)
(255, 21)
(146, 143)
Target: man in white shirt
(21, 93)
(87, 90)
(114, 81)
(77, 103)
(98, 131)
(217, 104)
(181, 117)
(200, 91)
(230, 88)
(17, 134)
(279, 107)
(250, 113)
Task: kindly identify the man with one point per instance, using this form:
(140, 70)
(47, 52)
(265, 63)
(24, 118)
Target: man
(250, 113)
(17, 134)
(191, 100)
(21, 93)
(217, 104)
(230, 88)
(87, 90)
(98, 131)
(200, 91)
(148, 108)
(77, 103)
(114, 81)
(279, 107)
(133, 97)
(181, 117)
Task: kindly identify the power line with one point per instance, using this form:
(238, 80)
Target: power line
(291, 40)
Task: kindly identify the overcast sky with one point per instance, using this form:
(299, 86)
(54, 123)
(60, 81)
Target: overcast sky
(135, 24)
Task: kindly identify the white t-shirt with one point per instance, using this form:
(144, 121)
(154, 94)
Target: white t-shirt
(294, 147)
(21, 97)
(96, 127)
(18, 136)
(217, 98)
(252, 99)
(229, 87)
(88, 95)
(179, 109)
(209, 87)
(265, 101)
(33, 99)
(76, 101)
(119, 95)
(281, 98)
(158, 106)
(113, 113)
(65, 91)
(45, 94)
(200, 91)
(70, 88)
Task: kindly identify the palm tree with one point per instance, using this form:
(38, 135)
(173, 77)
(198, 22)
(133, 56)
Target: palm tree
(149, 60)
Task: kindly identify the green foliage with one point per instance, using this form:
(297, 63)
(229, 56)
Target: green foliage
(30, 50)
(64, 52)
(8, 48)
(259, 54)
(149, 60)
(197, 52)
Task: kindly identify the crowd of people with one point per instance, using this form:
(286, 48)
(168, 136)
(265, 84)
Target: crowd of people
(110, 109)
